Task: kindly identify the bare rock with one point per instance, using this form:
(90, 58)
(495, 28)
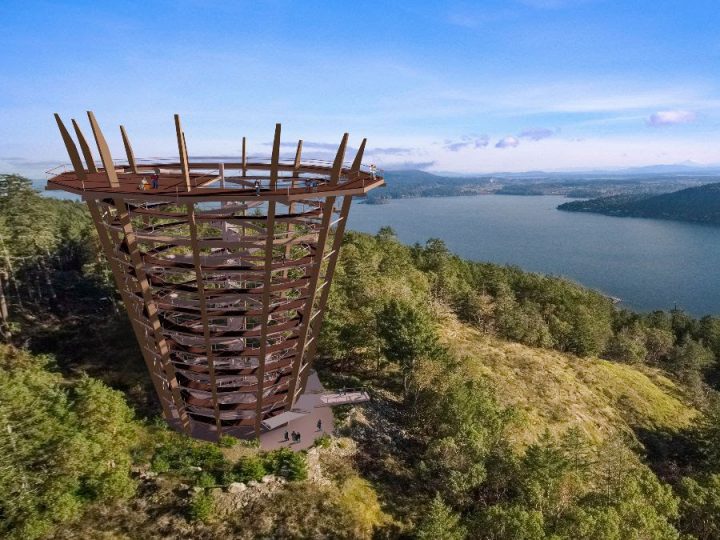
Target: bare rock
(237, 487)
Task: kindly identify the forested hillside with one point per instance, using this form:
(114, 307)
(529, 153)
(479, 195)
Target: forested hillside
(697, 204)
(505, 405)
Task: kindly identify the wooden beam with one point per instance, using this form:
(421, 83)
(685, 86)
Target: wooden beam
(104, 150)
(128, 150)
(187, 156)
(275, 162)
(327, 214)
(244, 158)
(204, 314)
(71, 150)
(316, 320)
(337, 165)
(151, 308)
(260, 372)
(322, 303)
(291, 205)
(182, 150)
(298, 158)
(267, 282)
(109, 249)
(357, 162)
(85, 147)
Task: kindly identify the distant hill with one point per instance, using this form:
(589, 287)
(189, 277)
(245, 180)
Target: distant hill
(699, 204)
(402, 184)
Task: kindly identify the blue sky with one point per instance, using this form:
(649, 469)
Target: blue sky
(447, 86)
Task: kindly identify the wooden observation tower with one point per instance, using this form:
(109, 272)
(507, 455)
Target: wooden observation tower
(224, 267)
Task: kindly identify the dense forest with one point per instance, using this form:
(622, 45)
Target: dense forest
(506, 405)
(699, 204)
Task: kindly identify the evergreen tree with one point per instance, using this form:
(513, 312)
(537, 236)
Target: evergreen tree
(407, 334)
(440, 523)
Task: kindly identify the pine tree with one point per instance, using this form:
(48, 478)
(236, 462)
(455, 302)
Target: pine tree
(440, 523)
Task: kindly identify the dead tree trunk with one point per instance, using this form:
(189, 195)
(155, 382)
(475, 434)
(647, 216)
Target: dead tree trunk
(10, 272)
(4, 313)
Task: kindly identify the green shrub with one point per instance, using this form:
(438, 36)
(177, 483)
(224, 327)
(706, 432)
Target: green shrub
(202, 507)
(205, 480)
(340, 413)
(180, 453)
(160, 464)
(249, 468)
(228, 477)
(226, 441)
(284, 462)
(250, 443)
(324, 441)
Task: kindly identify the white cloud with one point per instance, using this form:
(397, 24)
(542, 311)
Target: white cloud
(557, 153)
(670, 118)
(536, 134)
(405, 165)
(467, 141)
(507, 142)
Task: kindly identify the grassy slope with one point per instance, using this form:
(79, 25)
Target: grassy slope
(555, 391)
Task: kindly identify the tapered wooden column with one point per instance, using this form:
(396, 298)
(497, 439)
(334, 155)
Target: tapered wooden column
(154, 369)
(267, 280)
(87, 153)
(329, 273)
(182, 150)
(71, 150)
(128, 150)
(151, 309)
(315, 276)
(204, 314)
(104, 150)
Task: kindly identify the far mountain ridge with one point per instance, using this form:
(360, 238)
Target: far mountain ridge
(410, 183)
(699, 204)
(685, 167)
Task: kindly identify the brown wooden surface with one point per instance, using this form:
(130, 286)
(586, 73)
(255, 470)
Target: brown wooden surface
(226, 297)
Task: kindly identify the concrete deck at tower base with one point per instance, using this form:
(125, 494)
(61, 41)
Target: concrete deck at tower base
(309, 403)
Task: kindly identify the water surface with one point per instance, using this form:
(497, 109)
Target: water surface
(649, 264)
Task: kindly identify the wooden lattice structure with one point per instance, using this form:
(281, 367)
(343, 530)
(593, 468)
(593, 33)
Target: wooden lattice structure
(224, 268)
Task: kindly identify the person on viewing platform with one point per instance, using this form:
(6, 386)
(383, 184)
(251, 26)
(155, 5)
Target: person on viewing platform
(155, 181)
(143, 184)
(319, 425)
(257, 187)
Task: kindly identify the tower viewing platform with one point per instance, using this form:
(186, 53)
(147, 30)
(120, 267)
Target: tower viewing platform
(224, 267)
